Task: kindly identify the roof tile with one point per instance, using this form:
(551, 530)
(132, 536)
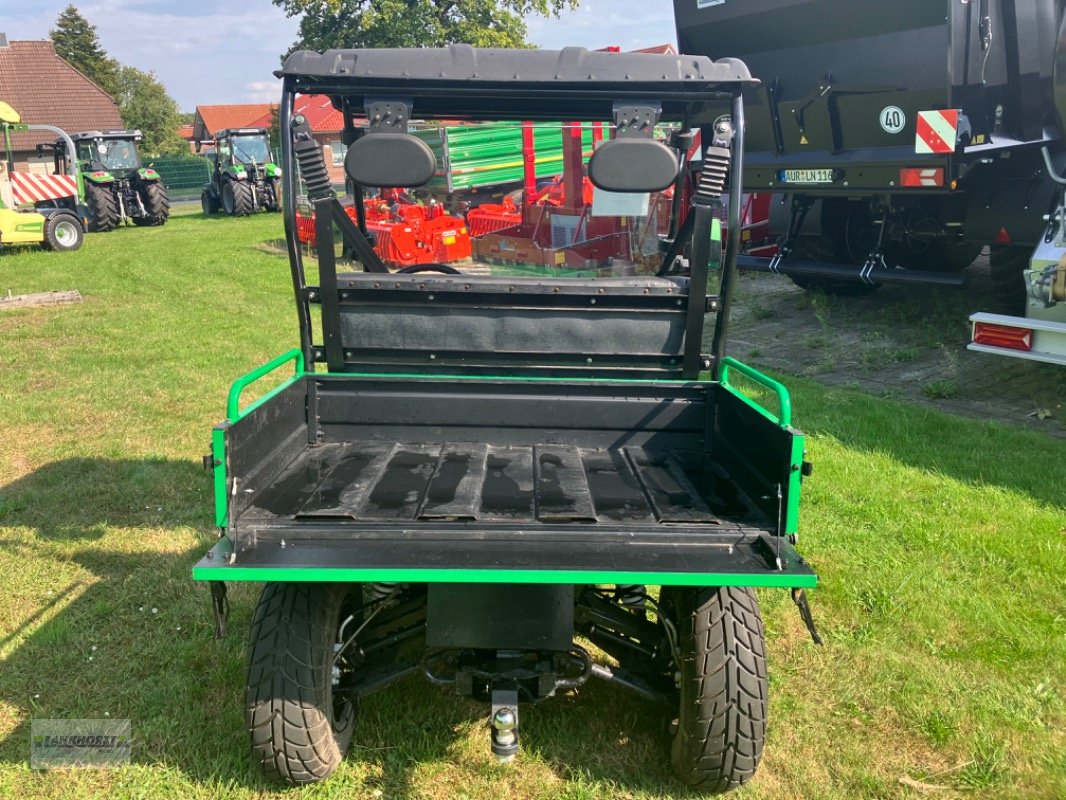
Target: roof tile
(46, 90)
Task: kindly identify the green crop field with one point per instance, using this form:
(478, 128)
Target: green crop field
(940, 543)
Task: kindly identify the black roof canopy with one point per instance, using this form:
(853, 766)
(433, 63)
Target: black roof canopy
(460, 81)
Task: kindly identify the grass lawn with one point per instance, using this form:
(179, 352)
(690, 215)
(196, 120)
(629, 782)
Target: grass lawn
(940, 543)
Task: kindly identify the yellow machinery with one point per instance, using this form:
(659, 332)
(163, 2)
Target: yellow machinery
(52, 228)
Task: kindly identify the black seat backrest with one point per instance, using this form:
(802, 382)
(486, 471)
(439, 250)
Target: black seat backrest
(390, 160)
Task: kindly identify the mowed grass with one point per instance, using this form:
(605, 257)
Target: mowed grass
(940, 544)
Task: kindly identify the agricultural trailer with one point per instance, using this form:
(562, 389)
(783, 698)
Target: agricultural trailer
(244, 177)
(899, 138)
(468, 472)
(115, 187)
(48, 225)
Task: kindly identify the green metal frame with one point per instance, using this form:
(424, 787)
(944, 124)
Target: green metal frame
(234, 413)
(233, 401)
(784, 416)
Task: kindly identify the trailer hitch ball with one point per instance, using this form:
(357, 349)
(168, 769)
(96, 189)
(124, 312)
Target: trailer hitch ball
(504, 725)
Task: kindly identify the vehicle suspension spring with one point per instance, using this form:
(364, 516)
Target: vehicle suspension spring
(380, 591)
(313, 169)
(631, 595)
(714, 170)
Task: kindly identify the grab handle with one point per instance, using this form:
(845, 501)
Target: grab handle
(784, 417)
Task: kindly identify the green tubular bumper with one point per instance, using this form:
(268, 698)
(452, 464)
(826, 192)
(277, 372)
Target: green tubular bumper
(219, 565)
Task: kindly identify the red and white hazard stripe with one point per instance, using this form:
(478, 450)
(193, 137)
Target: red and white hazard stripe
(937, 131)
(29, 188)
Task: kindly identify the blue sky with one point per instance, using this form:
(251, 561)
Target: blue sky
(224, 51)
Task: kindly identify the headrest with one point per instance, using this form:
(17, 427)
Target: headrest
(633, 164)
(390, 160)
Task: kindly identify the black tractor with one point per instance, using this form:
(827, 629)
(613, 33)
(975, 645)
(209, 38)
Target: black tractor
(115, 186)
(244, 178)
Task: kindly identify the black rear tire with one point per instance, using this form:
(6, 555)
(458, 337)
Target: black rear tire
(300, 728)
(209, 203)
(275, 191)
(237, 198)
(156, 204)
(63, 232)
(103, 210)
(1006, 264)
(721, 724)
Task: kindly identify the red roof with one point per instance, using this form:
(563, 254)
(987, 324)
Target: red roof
(659, 49)
(236, 115)
(318, 109)
(46, 90)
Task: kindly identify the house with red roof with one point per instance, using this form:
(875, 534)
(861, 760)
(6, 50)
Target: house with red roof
(46, 90)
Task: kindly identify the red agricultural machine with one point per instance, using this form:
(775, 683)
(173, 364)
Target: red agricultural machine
(406, 233)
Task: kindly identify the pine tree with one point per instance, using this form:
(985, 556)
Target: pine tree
(76, 43)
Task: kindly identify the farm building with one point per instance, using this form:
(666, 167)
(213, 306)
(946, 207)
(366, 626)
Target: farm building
(46, 90)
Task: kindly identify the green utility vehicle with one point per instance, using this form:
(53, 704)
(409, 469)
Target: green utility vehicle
(244, 179)
(115, 186)
(475, 473)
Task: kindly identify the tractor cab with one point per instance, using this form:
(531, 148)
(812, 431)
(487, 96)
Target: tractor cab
(114, 152)
(248, 147)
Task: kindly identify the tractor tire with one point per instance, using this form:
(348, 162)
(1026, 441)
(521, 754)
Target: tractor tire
(237, 198)
(103, 210)
(156, 203)
(300, 729)
(1006, 264)
(275, 191)
(209, 203)
(63, 232)
(937, 257)
(721, 723)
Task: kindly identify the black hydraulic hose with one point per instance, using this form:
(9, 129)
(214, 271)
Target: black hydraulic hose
(303, 311)
(729, 267)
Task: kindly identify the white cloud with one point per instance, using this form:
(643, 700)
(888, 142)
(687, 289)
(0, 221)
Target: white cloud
(262, 92)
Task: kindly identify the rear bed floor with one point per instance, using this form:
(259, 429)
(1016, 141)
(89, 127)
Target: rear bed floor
(477, 482)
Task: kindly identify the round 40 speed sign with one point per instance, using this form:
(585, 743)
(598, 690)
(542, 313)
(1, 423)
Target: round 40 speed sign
(893, 120)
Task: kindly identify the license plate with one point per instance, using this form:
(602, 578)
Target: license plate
(806, 176)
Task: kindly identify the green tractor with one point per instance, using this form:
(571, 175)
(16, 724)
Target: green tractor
(115, 186)
(244, 178)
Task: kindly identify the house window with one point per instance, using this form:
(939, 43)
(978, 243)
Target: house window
(340, 150)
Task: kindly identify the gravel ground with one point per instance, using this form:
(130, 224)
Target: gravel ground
(902, 342)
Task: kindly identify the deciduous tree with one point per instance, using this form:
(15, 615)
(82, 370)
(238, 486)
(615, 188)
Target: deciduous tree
(145, 105)
(415, 23)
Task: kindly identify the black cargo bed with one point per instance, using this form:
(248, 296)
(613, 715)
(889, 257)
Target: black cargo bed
(559, 483)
